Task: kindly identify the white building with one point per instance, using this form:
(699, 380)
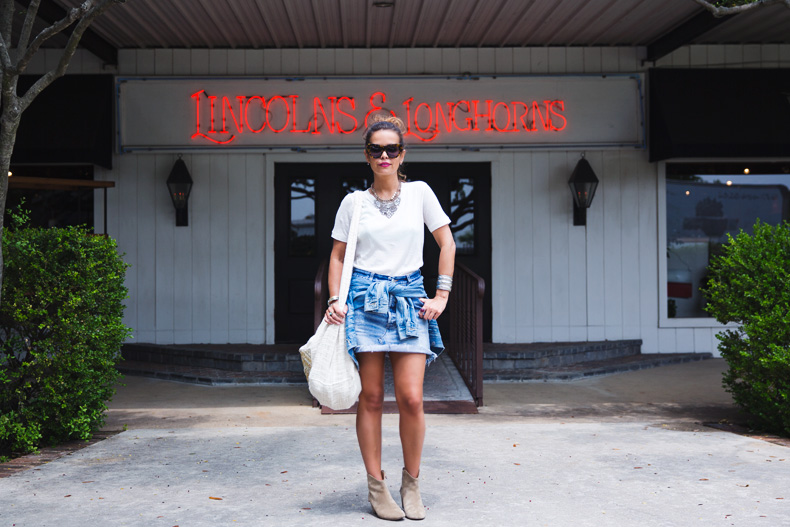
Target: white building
(504, 97)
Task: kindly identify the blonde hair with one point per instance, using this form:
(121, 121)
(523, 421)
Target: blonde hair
(384, 117)
(386, 121)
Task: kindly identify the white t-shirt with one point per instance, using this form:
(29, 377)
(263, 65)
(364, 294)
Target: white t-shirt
(392, 246)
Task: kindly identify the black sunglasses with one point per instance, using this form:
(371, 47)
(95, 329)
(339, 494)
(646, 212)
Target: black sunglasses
(375, 151)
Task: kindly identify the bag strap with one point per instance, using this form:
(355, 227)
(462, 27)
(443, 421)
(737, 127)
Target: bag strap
(351, 247)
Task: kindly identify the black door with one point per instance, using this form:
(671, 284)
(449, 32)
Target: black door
(464, 190)
(307, 196)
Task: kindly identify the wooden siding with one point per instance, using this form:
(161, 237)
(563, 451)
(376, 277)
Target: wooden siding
(204, 282)
(212, 281)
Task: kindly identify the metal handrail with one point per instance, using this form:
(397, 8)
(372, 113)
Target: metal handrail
(466, 328)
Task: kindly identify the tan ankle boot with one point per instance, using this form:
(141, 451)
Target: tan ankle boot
(410, 497)
(381, 500)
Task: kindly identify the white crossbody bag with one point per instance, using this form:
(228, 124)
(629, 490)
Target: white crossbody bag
(332, 376)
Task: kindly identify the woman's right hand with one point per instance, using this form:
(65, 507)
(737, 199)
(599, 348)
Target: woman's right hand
(336, 314)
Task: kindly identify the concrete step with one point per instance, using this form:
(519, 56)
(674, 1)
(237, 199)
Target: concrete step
(228, 357)
(443, 383)
(208, 376)
(587, 369)
(218, 364)
(554, 354)
(285, 358)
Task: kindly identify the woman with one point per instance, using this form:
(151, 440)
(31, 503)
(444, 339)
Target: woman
(388, 310)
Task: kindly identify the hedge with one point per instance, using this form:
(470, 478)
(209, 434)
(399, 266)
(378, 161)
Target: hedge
(749, 284)
(61, 329)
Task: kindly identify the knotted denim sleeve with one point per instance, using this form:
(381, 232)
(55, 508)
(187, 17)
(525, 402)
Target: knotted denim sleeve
(377, 300)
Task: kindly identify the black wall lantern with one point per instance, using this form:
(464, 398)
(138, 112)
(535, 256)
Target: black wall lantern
(583, 184)
(179, 184)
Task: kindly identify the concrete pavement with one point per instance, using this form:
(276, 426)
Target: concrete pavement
(623, 450)
(678, 393)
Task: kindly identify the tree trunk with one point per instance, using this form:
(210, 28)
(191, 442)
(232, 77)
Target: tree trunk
(9, 123)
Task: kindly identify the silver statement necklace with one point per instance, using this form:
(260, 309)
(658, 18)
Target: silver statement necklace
(387, 206)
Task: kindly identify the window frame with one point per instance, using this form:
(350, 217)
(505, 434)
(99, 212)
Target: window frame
(663, 317)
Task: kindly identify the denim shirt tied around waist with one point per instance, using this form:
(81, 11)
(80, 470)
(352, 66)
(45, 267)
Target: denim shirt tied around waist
(377, 295)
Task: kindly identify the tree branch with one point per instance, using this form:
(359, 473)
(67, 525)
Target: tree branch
(27, 27)
(71, 47)
(719, 11)
(54, 29)
(7, 18)
(5, 57)
(461, 226)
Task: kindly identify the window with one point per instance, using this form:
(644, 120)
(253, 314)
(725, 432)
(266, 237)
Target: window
(462, 215)
(302, 234)
(49, 196)
(705, 203)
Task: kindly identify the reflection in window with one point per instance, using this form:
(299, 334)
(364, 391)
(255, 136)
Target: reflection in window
(302, 240)
(48, 205)
(462, 215)
(352, 184)
(701, 211)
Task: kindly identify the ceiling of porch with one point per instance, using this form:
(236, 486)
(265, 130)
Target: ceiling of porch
(423, 23)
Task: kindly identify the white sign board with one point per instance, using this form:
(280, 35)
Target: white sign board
(226, 113)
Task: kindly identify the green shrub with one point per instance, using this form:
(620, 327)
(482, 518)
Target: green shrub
(61, 331)
(749, 285)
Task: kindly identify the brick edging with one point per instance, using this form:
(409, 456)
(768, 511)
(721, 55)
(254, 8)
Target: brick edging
(47, 454)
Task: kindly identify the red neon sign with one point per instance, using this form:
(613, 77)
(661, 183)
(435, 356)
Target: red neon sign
(425, 121)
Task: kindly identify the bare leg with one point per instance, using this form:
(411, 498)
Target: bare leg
(409, 371)
(369, 410)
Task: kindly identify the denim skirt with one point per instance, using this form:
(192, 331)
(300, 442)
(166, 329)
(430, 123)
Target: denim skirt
(394, 324)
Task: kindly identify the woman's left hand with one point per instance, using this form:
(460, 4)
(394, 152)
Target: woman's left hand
(432, 307)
